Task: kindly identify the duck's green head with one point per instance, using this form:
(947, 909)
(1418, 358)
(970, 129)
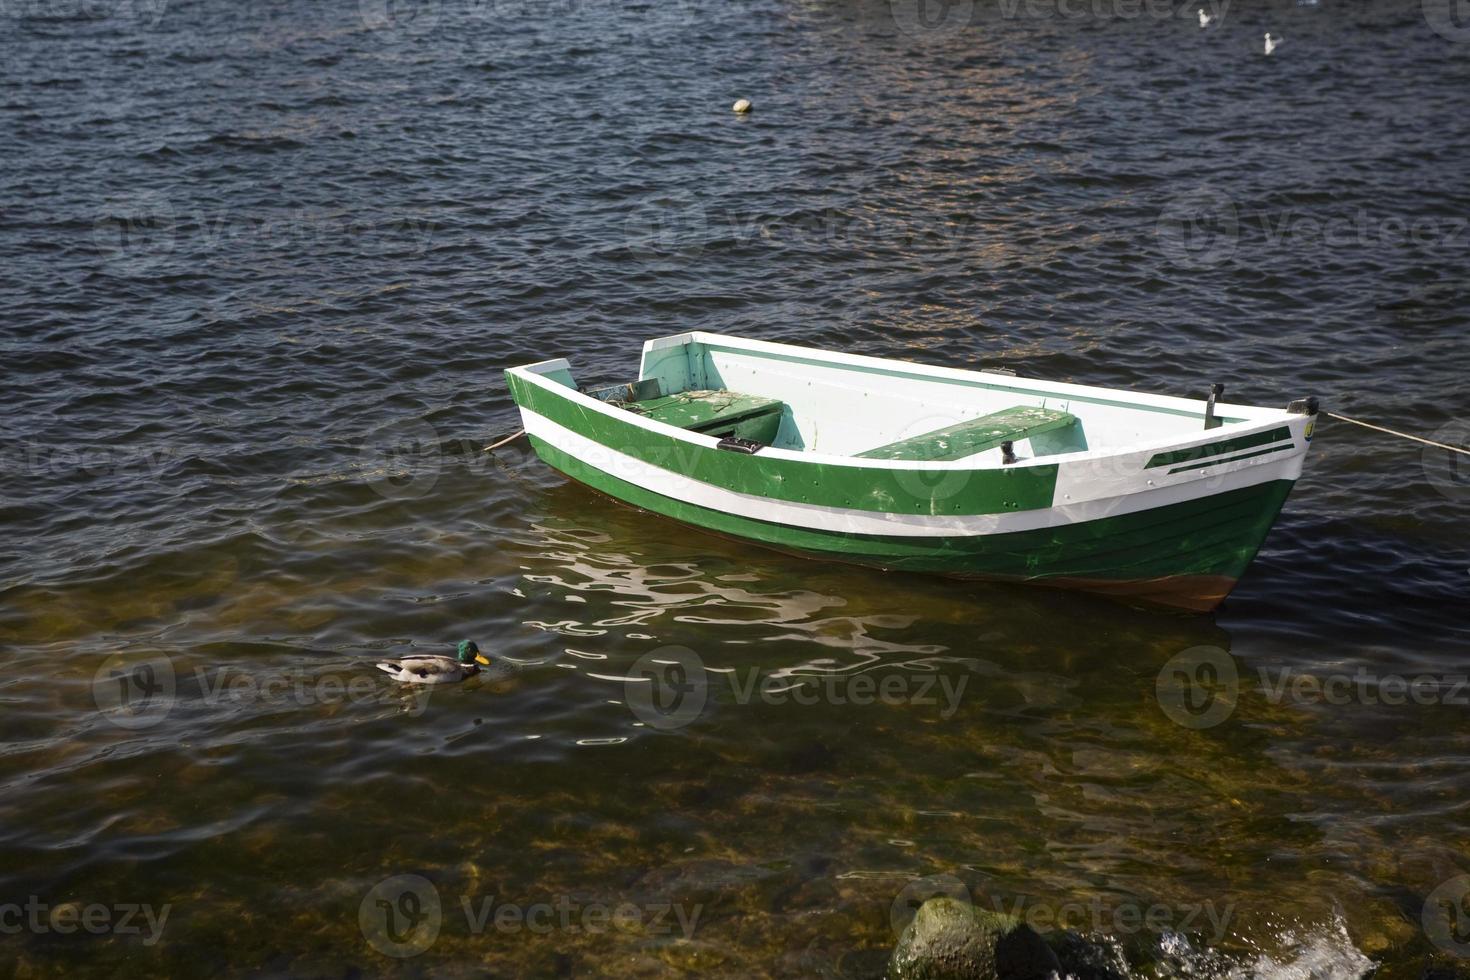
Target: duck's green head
(469, 653)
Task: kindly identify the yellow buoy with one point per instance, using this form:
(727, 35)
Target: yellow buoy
(741, 105)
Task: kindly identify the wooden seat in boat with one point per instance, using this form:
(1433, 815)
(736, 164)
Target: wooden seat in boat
(976, 435)
(715, 413)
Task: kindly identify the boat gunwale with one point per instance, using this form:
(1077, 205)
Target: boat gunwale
(1264, 420)
(1152, 401)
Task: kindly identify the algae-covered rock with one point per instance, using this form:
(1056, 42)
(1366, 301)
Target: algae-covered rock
(945, 941)
(951, 940)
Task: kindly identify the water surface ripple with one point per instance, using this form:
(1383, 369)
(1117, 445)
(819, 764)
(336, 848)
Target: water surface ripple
(264, 265)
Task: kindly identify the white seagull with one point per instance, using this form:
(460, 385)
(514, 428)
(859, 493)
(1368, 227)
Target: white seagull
(1271, 42)
(1204, 18)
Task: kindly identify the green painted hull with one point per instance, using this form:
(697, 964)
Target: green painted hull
(1185, 554)
(881, 491)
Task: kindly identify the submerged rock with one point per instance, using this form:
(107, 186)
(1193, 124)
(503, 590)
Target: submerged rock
(1021, 954)
(1083, 959)
(951, 940)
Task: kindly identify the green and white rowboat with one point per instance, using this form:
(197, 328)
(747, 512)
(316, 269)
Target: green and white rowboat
(929, 469)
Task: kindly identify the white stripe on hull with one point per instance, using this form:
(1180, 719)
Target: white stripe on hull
(1217, 479)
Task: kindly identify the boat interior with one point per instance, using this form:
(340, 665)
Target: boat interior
(803, 399)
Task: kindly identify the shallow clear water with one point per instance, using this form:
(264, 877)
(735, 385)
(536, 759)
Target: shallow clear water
(264, 264)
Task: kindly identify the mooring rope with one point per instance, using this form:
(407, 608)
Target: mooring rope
(1401, 435)
(506, 441)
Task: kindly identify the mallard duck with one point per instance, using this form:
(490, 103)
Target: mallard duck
(436, 668)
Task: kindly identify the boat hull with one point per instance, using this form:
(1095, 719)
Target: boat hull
(1187, 555)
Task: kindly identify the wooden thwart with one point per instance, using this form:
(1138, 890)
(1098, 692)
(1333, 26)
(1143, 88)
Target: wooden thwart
(716, 413)
(976, 435)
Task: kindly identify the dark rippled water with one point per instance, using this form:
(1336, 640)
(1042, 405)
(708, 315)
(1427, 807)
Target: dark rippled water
(263, 266)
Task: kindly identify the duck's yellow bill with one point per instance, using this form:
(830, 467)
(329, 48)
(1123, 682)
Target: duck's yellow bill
(480, 658)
